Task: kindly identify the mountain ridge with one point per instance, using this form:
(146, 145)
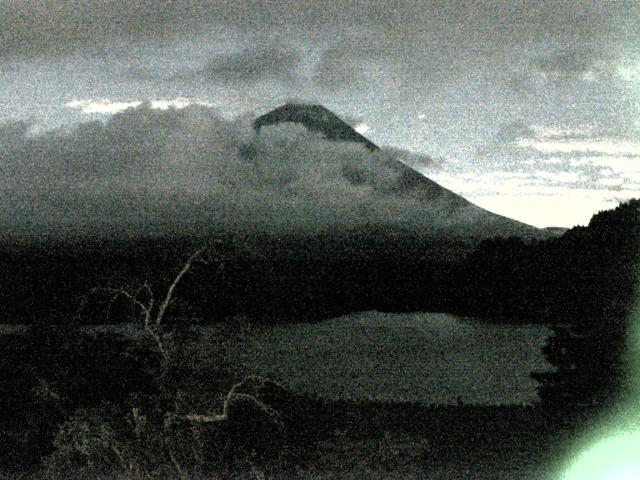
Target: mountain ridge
(316, 118)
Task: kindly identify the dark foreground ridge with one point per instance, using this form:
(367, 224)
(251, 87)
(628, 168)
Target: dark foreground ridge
(315, 118)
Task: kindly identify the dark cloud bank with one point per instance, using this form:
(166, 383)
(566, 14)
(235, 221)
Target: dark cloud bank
(32, 26)
(149, 171)
(153, 172)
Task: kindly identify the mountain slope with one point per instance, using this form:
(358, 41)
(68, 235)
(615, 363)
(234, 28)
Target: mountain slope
(433, 209)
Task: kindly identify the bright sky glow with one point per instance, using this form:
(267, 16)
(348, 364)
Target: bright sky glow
(542, 199)
(545, 211)
(623, 473)
(361, 128)
(630, 72)
(109, 107)
(102, 106)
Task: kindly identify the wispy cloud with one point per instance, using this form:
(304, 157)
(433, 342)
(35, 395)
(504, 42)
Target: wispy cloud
(543, 198)
(579, 63)
(345, 64)
(253, 64)
(604, 146)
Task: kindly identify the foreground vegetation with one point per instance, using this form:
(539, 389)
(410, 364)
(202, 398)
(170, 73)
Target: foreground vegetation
(87, 404)
(80, 403)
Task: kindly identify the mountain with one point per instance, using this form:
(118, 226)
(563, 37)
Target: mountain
(423, 204)
(317, 119)
(325, 227)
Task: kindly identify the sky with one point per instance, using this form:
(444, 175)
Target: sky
(529, 109)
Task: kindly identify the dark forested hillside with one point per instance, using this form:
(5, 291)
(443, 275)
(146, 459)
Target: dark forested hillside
(589, 351)
(587, 273)
(282, 277)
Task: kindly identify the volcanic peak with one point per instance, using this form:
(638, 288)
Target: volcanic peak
(315, 118)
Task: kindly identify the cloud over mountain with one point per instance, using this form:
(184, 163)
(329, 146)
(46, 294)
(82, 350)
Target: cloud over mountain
(147, 170)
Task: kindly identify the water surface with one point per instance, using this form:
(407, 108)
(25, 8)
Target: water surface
(415, 357)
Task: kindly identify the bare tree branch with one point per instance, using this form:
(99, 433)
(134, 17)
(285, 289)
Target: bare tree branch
(152, 321)
(117, 292)
(167, 299)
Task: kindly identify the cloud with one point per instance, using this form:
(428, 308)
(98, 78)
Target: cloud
(34, 27)
(603, 146)
(543, 198)
(537, 171)
(429, 38)
(512, 131)
(543, 146)
(341, 67)
(610, 141)
(102, 106)
(12, 132)
(624, 166)
(498, 150)
(567, 63)
(361, 128)
(156, 171)
(600, 62)
(271, 63)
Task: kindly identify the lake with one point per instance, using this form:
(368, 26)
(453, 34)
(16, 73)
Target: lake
(412, 357)
(423, 357)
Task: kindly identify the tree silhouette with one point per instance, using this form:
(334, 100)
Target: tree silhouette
(588, 343)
